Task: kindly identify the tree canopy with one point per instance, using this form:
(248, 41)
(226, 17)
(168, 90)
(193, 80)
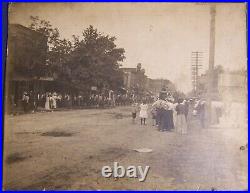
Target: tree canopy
(92, 59)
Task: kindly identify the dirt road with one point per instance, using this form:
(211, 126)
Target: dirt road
(67, 150)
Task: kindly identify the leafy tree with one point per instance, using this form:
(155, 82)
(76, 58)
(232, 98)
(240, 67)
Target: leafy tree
(92, 59)
(95, 60)
(58, 49)
(44, 27)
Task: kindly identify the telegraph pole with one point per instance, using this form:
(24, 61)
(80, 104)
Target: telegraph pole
(196, 58)
(211, 59)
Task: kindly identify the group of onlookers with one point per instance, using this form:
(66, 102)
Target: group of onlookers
(49, 101)
(166, 114)
(32, 101)
(169, 114)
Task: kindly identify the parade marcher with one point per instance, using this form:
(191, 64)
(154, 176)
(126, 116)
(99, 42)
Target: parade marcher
(181, 125)
(143, 112)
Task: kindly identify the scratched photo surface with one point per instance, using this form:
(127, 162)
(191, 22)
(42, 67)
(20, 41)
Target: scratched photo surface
(126, 96)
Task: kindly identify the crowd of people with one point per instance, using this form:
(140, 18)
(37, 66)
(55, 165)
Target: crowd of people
(50, 101)
(169, 114)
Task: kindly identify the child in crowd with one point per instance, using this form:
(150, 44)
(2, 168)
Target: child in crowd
(143, 112)
(134, 111)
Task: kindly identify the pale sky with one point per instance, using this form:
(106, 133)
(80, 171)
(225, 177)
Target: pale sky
(161, 36)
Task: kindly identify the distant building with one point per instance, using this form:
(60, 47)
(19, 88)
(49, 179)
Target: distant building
(227, 86)
(134, 80)
(203, 84)
(232, 86)
(156, 85)
(129, 76)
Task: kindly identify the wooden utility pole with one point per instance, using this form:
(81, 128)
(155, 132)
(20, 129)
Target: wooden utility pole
(196, 58)
(211, 60)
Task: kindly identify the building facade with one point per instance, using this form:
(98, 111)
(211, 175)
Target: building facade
(232, 86)
(26, 62)
(134, 80)
(156, 85)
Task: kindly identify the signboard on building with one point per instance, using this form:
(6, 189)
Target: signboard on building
(94, 88)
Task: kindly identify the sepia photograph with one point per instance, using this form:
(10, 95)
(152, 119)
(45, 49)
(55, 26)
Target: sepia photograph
(126, 96)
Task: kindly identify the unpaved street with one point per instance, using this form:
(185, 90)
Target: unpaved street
(67, 149)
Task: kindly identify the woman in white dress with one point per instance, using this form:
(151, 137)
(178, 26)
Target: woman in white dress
(54, 98)
(47, 106)
(143, 112)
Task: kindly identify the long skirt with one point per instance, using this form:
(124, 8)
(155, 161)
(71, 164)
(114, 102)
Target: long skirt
(181, 124)
(164, 120)
(170, 120)
(160, 119)
(47, 106)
